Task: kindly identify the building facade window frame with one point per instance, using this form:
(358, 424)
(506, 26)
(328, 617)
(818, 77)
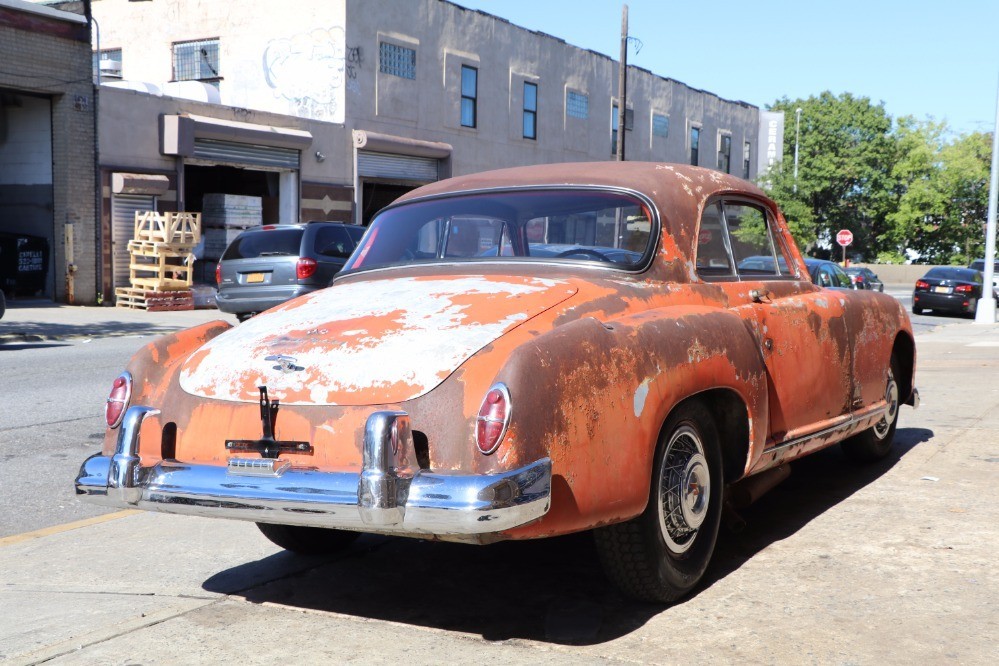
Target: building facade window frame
(469, 96)
(694, 143)
(577, 104)
(197, 60)
(725, 151)
(747, 150)
(530, 111)
(107, 55)
(660, 125)
(397, 60)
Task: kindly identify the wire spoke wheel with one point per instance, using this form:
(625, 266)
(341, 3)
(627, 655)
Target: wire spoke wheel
(684, 489)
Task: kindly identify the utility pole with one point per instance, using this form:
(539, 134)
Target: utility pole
(622, 85)
(986, 311)
(797, 134)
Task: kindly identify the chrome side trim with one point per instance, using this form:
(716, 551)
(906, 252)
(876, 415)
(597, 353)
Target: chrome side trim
(826, 432)
(385, 497)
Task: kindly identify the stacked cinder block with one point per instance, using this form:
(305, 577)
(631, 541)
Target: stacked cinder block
(225, 217)
(161, 262)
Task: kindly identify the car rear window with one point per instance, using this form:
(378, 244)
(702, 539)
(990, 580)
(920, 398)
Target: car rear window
(597, 227)
(966, 274)
(265, 243)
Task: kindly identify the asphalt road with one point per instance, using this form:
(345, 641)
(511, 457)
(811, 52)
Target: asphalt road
(52, 418)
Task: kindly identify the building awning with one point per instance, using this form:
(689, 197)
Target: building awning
(139, 183)
(178, 134)
(400, 145)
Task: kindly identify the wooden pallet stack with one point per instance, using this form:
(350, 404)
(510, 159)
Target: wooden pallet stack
(161, 263)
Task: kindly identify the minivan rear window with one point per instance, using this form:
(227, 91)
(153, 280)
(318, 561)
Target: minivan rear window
(265, 243)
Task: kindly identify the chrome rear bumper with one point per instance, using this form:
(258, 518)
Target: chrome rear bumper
(386, 497)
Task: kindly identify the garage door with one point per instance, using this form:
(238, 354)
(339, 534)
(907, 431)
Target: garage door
(397, 167)
(123, 209)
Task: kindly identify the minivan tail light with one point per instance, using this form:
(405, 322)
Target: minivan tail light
(306, 268)
(493, 419)
(218, 274)
(121, 393)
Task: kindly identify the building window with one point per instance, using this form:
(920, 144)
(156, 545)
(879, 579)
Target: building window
(108, 62)
(746, 151)
(469, 95)
(197, 61)
(660, 125)
(530, 111)
(577, 105)
(695, 140)
(397, 60)
(725, 153)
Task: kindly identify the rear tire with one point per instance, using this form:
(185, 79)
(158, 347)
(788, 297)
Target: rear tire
(308, 540)
(660, 555)
(875, 443)
(917, 310)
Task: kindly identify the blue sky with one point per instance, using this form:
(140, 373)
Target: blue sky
(925, 58)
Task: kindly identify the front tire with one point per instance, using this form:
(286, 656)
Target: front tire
(308, 540)
(875, 443)
(660, 555)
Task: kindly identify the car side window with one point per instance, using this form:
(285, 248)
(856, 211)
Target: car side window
(713, 260)
(752, 242)
(825, 277)
(334, 242)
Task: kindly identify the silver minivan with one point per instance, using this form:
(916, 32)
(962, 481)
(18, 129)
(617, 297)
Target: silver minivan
(268, 265)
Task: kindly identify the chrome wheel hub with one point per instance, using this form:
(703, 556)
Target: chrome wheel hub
(684, 489)
(891, 410)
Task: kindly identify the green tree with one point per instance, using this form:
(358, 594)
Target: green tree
(943, 194)
(846, 154)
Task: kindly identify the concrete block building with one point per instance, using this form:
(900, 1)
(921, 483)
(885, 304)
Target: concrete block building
(332, 109)
(49, 242)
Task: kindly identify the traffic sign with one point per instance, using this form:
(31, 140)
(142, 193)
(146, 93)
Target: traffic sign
(844, 237)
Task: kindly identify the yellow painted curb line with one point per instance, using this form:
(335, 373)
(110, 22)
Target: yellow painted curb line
(56, 529)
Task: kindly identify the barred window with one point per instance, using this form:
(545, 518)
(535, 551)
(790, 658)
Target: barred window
(577, 105)
(196, 61)
(660, 125)
(397, 60)
(108, 61)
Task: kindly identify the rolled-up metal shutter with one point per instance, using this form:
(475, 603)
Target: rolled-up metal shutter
(246, 154)
(397, 167)
(123, 209)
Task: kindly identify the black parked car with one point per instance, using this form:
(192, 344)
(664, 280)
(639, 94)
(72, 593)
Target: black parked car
(864, 278)
(269, 265)
(947, 289)
(828, 274)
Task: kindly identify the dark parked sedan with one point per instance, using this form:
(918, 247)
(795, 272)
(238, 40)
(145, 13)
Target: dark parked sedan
(864, 278)
(269, 265)
(947, 289)
(828, 274)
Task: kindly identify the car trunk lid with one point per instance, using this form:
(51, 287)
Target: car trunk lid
(371, 342)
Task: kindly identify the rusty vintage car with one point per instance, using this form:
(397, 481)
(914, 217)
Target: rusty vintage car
(519, 354)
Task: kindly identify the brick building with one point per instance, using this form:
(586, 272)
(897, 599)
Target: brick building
(47, 144)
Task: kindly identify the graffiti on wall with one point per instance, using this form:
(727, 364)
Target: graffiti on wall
(310, 72)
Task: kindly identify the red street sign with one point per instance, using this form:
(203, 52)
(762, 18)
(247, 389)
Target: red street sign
(844, 237)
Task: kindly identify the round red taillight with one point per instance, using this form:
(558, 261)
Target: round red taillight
(306, 268)
(218, 274)
(121, 393)
(493, 419)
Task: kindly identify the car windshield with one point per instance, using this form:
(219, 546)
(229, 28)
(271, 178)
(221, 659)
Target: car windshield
(273, 242)
(540, 225)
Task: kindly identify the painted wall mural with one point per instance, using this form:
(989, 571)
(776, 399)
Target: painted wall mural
(309, 72)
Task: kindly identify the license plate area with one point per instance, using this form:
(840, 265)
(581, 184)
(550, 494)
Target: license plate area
(942, 290)
(255, 278)
(271, 467)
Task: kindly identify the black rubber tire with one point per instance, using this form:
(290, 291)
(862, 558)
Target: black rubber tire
(308, 540)
(917, 310)
(243, 316)
(635, 554)
(869, 445)
(3, 304)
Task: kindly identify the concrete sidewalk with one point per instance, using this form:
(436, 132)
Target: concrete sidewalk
(891, 563)
(36, 321)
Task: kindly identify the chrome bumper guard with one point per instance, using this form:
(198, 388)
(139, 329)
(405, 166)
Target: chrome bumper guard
(387, 496)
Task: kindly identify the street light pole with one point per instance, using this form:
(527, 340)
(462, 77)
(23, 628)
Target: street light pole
(797, 133)
(986, 311)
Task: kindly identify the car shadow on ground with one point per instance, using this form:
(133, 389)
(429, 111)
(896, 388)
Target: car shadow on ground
(21, 332)
(550, 590)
